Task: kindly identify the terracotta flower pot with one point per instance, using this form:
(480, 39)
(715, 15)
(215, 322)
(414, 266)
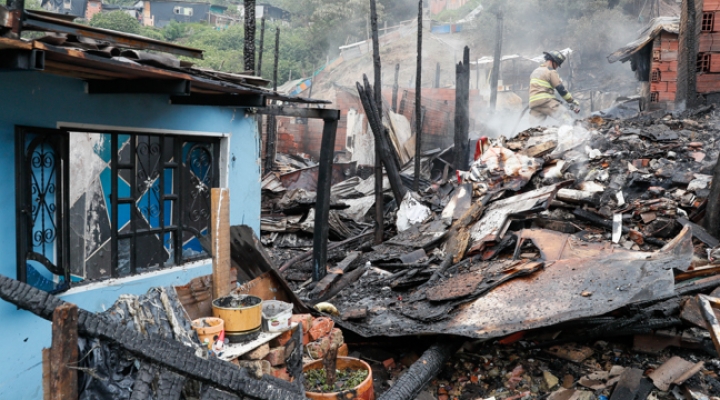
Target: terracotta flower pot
(364, 391)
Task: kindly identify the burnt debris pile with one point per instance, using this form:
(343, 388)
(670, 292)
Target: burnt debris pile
(573, 233)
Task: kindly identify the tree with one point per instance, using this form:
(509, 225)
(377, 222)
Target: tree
(117, 21)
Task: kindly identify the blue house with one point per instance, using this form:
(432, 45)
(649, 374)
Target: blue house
(109, 165)
(159, 13)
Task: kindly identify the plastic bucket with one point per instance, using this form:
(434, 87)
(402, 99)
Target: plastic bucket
(208, 328)
(276, 315)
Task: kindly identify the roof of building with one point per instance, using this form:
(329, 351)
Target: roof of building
(656, 26)
(98, 55)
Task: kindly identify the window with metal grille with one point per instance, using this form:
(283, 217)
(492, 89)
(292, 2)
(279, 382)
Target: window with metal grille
(655, 75)
(94, 205)
(708, 21)
(654, 97)
(703, 62)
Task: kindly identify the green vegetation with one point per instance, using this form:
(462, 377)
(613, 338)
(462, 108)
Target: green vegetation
(346, 379)
(460, 13)
(116, 20)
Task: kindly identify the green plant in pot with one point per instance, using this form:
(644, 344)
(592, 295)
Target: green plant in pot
(338, 378)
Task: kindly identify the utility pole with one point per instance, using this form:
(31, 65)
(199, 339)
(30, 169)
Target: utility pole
(495, 75)
(418, 100)
(262, 44)
(249, 48)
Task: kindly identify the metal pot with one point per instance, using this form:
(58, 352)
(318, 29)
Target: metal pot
(240, 313)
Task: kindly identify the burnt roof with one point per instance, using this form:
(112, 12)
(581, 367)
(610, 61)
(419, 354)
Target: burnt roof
(656, 26)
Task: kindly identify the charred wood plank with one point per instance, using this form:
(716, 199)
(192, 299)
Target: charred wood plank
(214, 394)
(170, 385)
(379, 200)
(418, 100)
(421, 372)
(462, 112)
(171, 355)
(322, 207)
(142, 388)
(334, 275)
(63, 355)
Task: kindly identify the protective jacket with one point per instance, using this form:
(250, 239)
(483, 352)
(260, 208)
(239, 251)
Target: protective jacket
(543, 83)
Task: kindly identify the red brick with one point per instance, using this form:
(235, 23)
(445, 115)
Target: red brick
(336, 337)
(281, 373)
(318, 348)
(389, 363)
(282, 339)
(276, 356)
(257, 354)
(304, 319)
(343, 350)
(321, 327)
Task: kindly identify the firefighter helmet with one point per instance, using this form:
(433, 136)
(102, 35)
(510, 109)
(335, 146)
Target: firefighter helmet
(555, 56)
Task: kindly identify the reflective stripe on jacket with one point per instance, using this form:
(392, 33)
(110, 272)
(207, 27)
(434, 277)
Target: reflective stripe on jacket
(543, 82)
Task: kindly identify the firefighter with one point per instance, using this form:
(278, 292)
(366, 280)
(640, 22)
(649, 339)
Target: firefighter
(543, 83)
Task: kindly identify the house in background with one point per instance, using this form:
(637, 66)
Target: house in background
(68, 7)
(267, 11)
(654, 59)
(438, 6)
(160, 13)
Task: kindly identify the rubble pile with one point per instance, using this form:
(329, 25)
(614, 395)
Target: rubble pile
(590, 231)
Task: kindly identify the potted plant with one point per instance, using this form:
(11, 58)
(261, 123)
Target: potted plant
(338, 378)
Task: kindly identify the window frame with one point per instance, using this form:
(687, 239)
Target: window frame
(179, 191)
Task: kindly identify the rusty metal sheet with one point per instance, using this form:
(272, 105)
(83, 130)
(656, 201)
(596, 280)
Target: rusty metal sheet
(545, 298)
(467, 282)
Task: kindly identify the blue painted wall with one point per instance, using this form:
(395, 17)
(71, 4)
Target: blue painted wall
(42, 100)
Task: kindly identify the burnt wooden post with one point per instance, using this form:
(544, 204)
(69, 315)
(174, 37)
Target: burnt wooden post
(386, 150)
(322, 206)
(418, 100)
(249, 49)
(220, 241)
(379, 200)
(462, 113)
(262, 45)
(495, 75)
(271, 145)
(61, 375)
(396, 88)
(437, 76)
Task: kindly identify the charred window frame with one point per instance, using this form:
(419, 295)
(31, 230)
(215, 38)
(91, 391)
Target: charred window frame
(144, 206)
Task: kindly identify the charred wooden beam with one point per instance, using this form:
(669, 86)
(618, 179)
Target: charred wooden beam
(437, 76)
(169, 354)
(173, 87)
(224, 100)
(307, 255)
(377, 95)
(262, 45)
(422, 371)
(249, 48)
(314, 113)
(142, 388)
(170, 385)
(495, 74)
(462, 111)
(375, 120)
(63, 355)
(322, 206)
(712, 213)
(271, 142)
(418, 100)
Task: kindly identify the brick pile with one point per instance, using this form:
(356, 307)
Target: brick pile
(319, 334)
